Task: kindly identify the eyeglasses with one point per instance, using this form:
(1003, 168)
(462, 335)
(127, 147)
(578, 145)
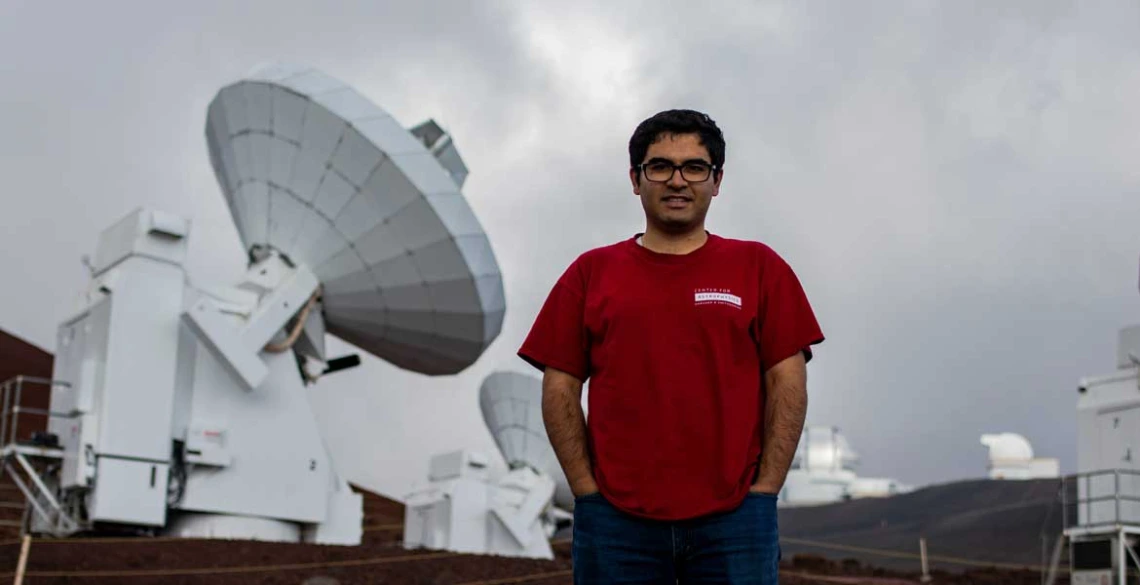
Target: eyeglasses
(660, 171)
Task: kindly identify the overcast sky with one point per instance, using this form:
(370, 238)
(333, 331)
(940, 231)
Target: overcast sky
(957, 184)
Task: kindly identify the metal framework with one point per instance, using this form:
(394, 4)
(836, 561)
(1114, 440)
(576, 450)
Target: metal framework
(1106, 508)
(19, 459)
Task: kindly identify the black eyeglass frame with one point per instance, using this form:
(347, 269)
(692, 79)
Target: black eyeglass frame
(681, 167)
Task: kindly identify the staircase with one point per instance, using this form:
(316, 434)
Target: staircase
(27, 453)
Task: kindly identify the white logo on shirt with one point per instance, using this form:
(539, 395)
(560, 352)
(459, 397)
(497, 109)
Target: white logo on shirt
(716, 296)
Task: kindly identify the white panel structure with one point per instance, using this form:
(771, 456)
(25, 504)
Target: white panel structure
(1011, 457)
(139, 494)
(314, 170)
(183, 410)
(120, 360)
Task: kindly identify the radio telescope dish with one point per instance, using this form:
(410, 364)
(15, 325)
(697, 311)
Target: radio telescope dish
(313, 170)
(512, 408)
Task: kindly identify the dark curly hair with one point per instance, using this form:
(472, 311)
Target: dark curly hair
(677, 122)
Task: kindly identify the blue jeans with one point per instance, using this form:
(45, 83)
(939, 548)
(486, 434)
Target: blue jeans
(740, 547)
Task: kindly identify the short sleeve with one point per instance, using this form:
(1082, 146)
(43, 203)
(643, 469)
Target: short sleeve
(558, 337)
(785, 321)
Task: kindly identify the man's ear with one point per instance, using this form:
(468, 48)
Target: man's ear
(635, 178)
(717, 177)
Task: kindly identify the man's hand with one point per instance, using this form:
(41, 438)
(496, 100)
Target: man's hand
(784, 412)
(566, 427)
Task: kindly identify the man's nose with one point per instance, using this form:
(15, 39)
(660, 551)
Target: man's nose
(676, 181)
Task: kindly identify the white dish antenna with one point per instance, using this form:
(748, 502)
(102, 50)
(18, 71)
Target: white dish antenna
(512, 408)
(313, 170)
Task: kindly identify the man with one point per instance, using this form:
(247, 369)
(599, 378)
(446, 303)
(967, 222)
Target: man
(696, 349)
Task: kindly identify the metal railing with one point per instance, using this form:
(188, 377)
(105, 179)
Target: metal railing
(22, 458)
(1109, 497)
(11, 405)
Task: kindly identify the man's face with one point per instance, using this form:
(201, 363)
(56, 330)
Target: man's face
(676, 205)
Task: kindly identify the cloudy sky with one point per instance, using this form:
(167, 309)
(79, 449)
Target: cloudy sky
(957, 184)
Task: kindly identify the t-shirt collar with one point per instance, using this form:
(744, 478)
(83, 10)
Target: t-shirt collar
(658, 257)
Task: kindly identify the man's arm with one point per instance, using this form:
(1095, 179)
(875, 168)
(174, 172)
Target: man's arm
(566, 428)
(784, 412)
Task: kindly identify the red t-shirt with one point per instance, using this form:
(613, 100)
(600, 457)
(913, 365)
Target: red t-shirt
(674, 347)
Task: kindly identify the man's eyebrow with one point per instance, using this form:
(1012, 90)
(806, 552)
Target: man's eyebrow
(684, 162)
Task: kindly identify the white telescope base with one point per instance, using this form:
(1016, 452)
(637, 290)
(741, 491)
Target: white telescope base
(463, 510)
(191, 525)
(342, 526)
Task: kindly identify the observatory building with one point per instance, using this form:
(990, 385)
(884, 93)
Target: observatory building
(181, 409)
(1103, 512)
(823, 471)
(1011, 457)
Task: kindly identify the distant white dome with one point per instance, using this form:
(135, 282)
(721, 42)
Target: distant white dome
(825, 449)
(1008, 447)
